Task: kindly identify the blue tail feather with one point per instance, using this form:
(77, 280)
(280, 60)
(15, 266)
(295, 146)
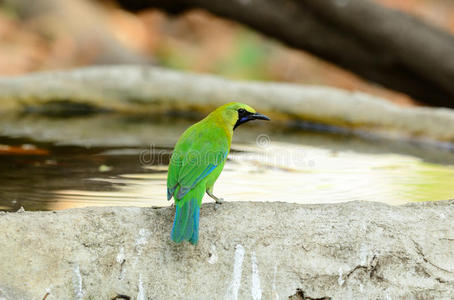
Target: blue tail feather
(195, 236)
(186, 222)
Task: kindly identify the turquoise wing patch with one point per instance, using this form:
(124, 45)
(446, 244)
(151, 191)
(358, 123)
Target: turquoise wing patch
(185, 182)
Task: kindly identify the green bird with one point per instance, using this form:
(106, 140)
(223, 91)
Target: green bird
(197, 161)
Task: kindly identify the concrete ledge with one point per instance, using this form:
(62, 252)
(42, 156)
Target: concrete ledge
(354, 250)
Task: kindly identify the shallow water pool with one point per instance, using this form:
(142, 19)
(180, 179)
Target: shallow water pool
(265, 164)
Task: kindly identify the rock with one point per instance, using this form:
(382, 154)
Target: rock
(355, 250)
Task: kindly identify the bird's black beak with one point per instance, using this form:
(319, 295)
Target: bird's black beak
(250, 117)
(258, 116)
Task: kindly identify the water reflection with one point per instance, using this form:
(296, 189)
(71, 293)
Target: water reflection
(37, 181)
(292, 166)
(322, 176)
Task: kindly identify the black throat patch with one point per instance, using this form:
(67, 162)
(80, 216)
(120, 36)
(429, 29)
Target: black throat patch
(243, 117)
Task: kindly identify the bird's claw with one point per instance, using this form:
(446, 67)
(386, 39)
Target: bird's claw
(218, 203)
(216, 199)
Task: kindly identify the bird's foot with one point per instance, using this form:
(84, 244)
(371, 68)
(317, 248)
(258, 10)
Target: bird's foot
(219, 200)
(216, 199)
(218, 203)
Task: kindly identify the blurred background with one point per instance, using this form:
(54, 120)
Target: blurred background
(61, 161)
(51, 34)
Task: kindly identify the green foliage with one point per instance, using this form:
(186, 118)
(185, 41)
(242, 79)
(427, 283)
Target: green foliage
(249, 59)
(173, 58)
(9, 10)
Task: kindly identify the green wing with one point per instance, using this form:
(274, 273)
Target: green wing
(199, 151)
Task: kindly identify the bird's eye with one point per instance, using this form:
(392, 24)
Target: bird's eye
(241, 111)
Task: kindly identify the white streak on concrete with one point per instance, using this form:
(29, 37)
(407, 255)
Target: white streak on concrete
(213, 255)
(232, 292)
(142, 294)
(256, 290)
(121, 255)
(121, 259)
(273, 286)
(77, 282)
(142, 240)
(363, 254)
(340, 280)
